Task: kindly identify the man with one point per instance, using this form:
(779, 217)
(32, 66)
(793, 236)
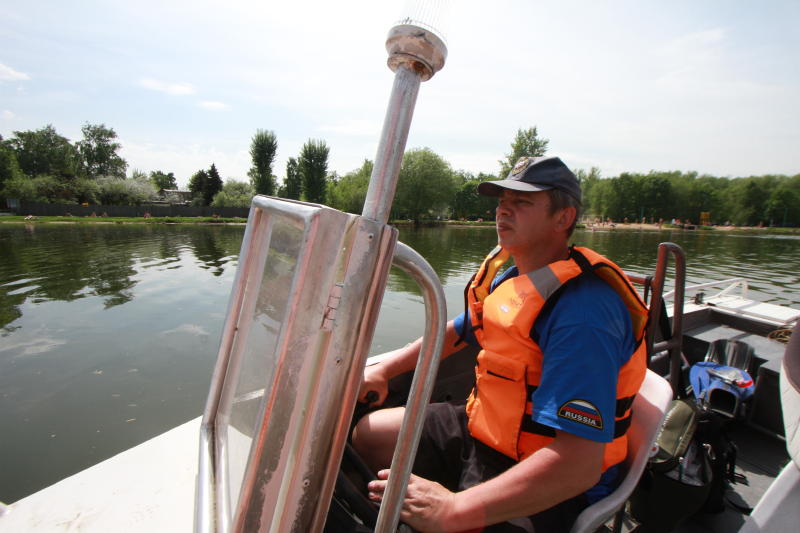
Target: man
(562, 357)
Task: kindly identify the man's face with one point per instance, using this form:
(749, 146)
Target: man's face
(524, 221)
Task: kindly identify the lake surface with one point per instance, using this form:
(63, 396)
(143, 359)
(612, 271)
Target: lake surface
(108, 333)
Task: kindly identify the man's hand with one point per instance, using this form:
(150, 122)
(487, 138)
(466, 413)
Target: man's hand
(376, 380)
(427, 505)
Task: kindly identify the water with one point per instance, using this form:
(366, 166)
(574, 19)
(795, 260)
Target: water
(108, 333)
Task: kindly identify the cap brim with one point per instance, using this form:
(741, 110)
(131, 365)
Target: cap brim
(495, 188)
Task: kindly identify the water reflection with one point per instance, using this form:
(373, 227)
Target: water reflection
(52, 263)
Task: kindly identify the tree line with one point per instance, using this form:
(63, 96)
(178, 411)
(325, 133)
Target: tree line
(42, 165)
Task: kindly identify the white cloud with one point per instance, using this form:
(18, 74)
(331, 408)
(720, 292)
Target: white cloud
(7, 115)
(176, 89)
(214, 106)
(9, 74)
(369, 128)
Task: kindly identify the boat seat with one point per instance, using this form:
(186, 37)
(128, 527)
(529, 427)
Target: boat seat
(734, 353)
(777, 510)
(649, 409)
(724, 399)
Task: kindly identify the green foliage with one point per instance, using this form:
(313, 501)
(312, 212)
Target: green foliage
(750, 199)
(313, 168)
(212, 186)
(783, 205)
(348, 193)
(262, 151)
(294, 182)
(588, 180)
(425, 187)
(197, 184)
(44, 152)
(769, 200)
(9, 168)
(86, 191)
(467, 203)
(526, 143)
(163, 180)
(21, 188)
(234, 194)
(115, 191)
(98, 152)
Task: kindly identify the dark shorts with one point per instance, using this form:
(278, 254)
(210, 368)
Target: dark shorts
(449, 455)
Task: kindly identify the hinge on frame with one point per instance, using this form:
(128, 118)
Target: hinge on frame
(330, 309)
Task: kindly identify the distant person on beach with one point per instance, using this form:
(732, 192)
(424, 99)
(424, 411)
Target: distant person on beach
(543, 433)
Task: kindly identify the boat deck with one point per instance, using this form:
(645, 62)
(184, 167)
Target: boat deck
(760, 459)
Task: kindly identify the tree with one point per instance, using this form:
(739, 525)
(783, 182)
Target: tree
(163, 181)
(115, 191)
(44, 152)
(197, 185)
(349, 192)
(425, 185)
(234, 194)
(294, 182)
(657, 198)
(21, 188)
(213, 185)
(467, 203)
(588, 197)
(9, 168)
(98, 152)
(526, 143)
(749, 197)
(313, 167)
(262, 151)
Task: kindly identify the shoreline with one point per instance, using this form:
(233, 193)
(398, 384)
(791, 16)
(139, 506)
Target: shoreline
(453, 223)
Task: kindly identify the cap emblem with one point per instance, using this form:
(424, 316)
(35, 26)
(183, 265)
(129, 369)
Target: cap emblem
(521, 165)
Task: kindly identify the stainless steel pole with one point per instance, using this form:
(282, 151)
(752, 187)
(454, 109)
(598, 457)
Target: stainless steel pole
(383, 183)
(415, 54)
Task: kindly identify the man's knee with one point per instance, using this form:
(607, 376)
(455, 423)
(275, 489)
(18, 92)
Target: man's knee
(375, 436)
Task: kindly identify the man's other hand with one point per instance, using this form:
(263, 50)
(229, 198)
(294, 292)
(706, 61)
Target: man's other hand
(427, 505)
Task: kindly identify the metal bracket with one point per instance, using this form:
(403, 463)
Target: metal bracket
(330, 309)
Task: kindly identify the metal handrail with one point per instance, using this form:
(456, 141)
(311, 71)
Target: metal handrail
(421, 386)
(732, 283)
(674, 344)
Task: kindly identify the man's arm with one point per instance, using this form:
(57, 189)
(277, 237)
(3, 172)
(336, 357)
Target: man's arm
(569, 466)
(396, 362)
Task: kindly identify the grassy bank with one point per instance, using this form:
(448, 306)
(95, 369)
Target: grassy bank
(431, 223)
(122, 220)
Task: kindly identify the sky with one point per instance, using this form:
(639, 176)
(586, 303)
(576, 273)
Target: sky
(710, 86)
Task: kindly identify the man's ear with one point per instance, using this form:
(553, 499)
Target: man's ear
(565, 218)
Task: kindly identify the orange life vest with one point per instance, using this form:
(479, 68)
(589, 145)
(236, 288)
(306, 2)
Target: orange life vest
(509, 366)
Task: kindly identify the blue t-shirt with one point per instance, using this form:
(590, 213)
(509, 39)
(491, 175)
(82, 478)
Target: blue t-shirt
(585, 339)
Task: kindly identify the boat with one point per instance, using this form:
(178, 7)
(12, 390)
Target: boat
(152, 486)
(270, 452)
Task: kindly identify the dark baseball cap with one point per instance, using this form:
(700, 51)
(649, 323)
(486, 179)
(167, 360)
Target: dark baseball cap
(535, 174)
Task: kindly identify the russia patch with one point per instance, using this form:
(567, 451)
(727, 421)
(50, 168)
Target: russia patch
(582, 412)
